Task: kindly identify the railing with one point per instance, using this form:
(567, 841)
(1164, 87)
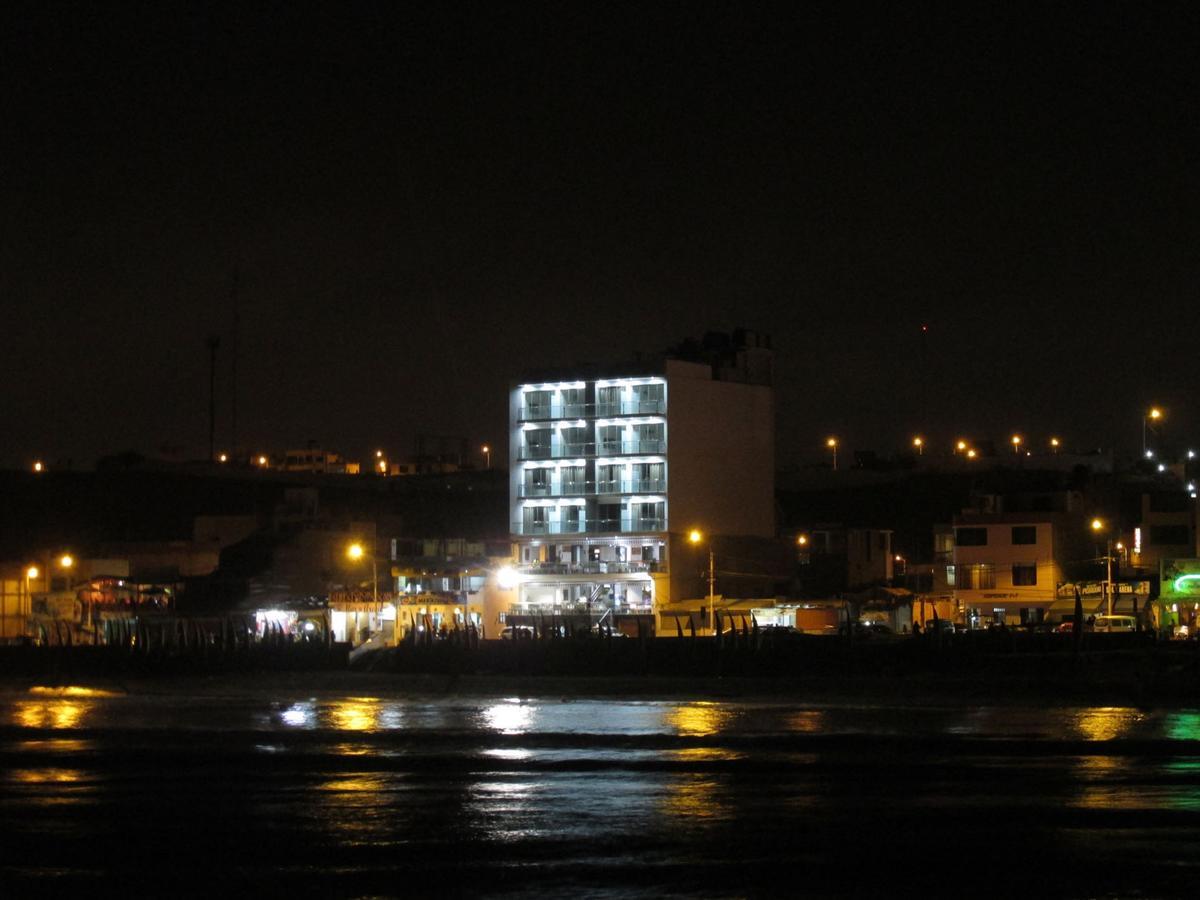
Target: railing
(589, 488)
(549, 411)
(593, 526)
(591, 567)
(603, 448)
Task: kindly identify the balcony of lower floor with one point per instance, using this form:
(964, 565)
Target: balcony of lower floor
(528, 490)
(588, 450)
(543, 412)
(581, 526)
(591, 567)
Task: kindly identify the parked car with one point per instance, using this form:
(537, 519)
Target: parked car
(513, 632)
(1067, 626)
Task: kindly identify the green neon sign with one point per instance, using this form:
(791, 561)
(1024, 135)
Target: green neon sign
(1181, 582)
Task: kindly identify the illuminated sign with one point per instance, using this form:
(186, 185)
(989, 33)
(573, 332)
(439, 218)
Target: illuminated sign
(1180, 579)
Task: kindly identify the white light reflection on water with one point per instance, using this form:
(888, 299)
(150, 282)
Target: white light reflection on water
(300, 715)
(507, 754)
(509, 717)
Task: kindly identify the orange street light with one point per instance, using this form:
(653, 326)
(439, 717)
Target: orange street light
(32, 573)
(971, 454)
(695, 536)
(802, 540)
(919, 443)
(38, 467)
(1016, 442)
(1054, 444)
(487, 455)
(832, 444)
(66, 561)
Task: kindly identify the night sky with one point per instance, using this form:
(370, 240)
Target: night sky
(420, 201)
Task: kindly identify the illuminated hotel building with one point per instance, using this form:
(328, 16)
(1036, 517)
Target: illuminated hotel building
(610, 468)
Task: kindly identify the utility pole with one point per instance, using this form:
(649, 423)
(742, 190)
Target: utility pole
(711, 579)
(233, 437)
(212, 342)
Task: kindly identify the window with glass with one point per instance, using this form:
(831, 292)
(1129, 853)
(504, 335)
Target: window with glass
(980, 577)
(610, 439)
(537, 482)
(1024, 574)
(649, 438)
(608, 517)
(572, 520)
(647, 516)
(970, 537)
(536, 520)
(1024, 534)
(649, 477)
(608, 479)
(537, 404)
(575, 441)
(648, 398)
(573, 403)
(537, 444)
(574, 479)
(608, 401)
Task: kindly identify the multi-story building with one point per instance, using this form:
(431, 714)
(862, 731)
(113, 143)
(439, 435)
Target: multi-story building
(611, 468)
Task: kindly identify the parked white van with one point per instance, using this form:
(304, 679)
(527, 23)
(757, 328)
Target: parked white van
(1115, 623)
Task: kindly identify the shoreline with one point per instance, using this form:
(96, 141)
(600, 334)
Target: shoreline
(941, 690)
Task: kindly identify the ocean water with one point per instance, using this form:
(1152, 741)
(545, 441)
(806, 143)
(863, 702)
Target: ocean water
(190, 790)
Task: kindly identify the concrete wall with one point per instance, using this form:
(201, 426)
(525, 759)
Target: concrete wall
(720, 454)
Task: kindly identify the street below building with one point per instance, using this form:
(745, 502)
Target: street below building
(195, 786)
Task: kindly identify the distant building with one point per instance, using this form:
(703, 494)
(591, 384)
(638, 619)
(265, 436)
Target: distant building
(313, 459)
(611, 467)
(836, 558)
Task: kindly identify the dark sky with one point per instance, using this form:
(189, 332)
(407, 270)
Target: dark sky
(420, 202)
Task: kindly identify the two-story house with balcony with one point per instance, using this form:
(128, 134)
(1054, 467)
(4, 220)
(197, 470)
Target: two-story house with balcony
(611, 467)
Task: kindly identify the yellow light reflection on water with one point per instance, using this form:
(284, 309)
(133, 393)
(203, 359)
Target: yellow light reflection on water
(697, 719)
(1106, 723)
(71, 691)
(50, 713)
(45, 776)
(809, 721)
(695, 797)
(355, 714)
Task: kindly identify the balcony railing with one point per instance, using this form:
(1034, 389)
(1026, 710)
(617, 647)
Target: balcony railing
(591, 567)
(603, 448)
(549, 411)
(624, 525)
(592, 488)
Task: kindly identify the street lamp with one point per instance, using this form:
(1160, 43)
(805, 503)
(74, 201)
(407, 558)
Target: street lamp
(356, 552)
(1155, 415)
(919, 443)
(832, 444)
(38, 466)
(960, 446)
(1016, 442)
(971, 454)
(487, 456)
(1054, 445)
(696, 537)
(1097, 527)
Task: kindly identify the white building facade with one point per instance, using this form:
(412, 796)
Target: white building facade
(610, 470)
